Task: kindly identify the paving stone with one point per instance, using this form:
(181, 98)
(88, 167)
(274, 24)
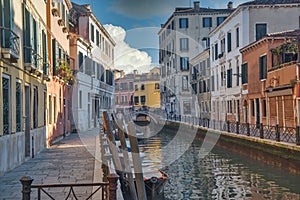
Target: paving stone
(68, 161)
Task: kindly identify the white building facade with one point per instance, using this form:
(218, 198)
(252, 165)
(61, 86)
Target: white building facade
(93, 51)
(249, 22)
(181, 38)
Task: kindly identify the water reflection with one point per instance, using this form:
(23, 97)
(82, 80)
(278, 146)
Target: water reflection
(220, 175)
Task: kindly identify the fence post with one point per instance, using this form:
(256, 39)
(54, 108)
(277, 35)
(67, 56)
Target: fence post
(112, 186)
(228, 126)
(298, 135)
(237, 127)
(277, 133)
(26, 187)
(261, 131)
(248, 129)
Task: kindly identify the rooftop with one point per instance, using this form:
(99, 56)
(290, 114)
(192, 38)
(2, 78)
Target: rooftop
(269, 2)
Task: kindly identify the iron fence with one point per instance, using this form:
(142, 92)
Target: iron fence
(107, 190)
(279, 134)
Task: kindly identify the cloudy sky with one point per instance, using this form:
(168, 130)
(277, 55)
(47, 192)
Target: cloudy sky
(134, 25)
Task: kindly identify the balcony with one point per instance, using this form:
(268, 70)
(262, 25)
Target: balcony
(65, 29)
(55, 11)
(61, 22)
(46, 71)
(10, 44)
(33, 62)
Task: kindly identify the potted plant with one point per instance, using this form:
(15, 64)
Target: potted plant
(65, 72)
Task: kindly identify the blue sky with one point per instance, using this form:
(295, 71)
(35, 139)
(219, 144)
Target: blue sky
(138, 17)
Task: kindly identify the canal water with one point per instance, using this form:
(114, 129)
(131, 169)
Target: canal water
(221, 174)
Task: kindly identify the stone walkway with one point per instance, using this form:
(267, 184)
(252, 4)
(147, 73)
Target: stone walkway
(72, 160)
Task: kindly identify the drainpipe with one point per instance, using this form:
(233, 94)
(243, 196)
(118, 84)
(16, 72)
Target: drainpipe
(297, 76)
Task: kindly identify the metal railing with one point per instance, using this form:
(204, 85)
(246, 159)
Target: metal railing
(10, 40)
(33, 58)
(276, 133)
(107, 189)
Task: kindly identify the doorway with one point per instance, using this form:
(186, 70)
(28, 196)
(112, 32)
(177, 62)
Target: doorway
(257, 112)
(27, 120)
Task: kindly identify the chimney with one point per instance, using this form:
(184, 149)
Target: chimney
(197, 5)
(87, 6)
(230, 5)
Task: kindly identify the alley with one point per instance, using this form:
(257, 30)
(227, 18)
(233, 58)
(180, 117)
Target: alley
(72, 160)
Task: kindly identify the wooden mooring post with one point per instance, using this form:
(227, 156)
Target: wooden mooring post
(112, 144)
(127, 165)
(137, 163)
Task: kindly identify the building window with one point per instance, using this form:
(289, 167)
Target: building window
(208, 85)
(237, 73)
(245, 73)
(184, 63)
(223, 76)
(54, 109)
(97, 38)
(142, 87)
(229, 105)
(216, 51)
(92, 33)
(6, 105)
(229, 78)
(157, 86)
(45, 108)
(80, 99)
(143, 100)
(264, 108)
(18, 107)
(222, 47)
(136, 100)
(204, 89)
(206, 41)
(117, 100)
(237, 32)
(186, 108)
(200, 87)
(203, 68)
(35, 107)
(212, 83)
(220, 20)
(136, 87)
(50, 110)
(131, 86)
(260, 30)
(252, 108)
(183, 23)
(228, 41)
(185, 83)
(184, 44)
(80, 61)
(207, 22)
(194, 88)
(263, 67)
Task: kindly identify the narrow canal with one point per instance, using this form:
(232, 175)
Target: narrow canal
(221, 174)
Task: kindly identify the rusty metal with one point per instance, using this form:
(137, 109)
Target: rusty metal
(113, 178)
(26, 187)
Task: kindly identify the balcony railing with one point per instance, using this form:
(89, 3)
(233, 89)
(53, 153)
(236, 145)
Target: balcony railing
(10, 44)
(33, 61)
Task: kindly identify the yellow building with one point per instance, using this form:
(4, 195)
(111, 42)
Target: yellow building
(147, 92)
(23, 73)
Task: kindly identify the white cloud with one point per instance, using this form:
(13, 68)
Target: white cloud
(126, 57)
